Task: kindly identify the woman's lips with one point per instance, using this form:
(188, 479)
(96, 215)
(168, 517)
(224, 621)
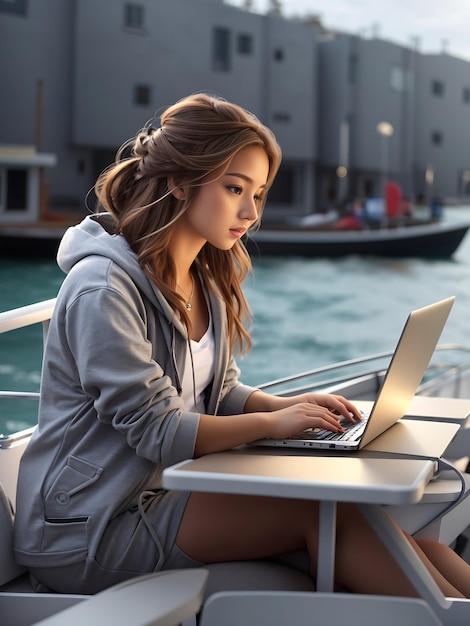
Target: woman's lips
(238, 232)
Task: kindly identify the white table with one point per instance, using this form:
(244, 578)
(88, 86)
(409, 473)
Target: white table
(369, 482)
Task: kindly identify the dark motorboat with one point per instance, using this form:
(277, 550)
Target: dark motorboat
(428, 240)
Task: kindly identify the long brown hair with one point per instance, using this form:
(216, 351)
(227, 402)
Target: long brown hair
(197, 138)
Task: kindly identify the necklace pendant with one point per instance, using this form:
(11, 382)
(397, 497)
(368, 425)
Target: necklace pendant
(188, 306)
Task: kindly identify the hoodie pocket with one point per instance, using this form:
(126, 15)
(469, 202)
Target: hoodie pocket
(65, 498)
(68, 506)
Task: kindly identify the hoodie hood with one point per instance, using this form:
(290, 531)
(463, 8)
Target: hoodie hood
(96, 236)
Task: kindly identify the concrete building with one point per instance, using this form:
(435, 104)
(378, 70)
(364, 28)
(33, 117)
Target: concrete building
(368, 86)
(442, 136)
(84, 75)
(78, 77)
(363, 83)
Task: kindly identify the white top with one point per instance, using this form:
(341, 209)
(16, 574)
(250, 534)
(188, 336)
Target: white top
(200, 361)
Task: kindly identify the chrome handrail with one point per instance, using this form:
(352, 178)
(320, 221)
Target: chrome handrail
(27, 316)
(336, 368)
(324, 369)
(29, 395)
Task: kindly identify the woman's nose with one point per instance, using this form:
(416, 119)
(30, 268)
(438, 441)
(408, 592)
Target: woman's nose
(250, 210)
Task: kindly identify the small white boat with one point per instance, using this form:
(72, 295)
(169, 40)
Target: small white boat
(173, 597)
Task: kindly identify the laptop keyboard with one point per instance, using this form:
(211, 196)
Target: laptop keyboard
(352, 431)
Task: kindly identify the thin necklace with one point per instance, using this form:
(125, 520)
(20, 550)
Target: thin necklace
(188, 304)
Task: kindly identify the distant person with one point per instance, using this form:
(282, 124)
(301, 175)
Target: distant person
(406, 208)
(352, 216)
(436, 208)
(139, 374)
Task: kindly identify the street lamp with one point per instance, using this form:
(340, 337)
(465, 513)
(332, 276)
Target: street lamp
(429, 178)
(342, 169)
(385, 130)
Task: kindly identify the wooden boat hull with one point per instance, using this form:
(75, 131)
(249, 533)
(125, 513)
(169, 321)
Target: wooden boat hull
(431, 240)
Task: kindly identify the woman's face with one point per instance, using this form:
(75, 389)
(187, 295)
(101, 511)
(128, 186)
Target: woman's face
(224, 209)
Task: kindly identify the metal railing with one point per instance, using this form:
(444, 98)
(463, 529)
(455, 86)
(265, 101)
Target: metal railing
(329, 378)
(333, 377)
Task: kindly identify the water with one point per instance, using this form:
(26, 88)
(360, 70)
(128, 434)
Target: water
(307, 313)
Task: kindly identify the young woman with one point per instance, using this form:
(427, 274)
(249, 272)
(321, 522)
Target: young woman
(139, 374)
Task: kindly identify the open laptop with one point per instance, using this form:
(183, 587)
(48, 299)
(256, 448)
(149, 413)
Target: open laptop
(405, 372)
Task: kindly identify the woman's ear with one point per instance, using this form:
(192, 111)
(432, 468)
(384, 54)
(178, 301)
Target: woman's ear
(177, 192)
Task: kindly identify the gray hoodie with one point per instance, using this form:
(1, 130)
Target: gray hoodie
(111, 415)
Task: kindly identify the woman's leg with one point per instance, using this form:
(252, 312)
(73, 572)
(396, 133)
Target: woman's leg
(222, 527)
(455, 569)
(361, 554)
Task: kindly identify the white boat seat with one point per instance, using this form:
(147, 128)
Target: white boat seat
(163, 599)
(175, 597)
(20, 605)
(11, 451)
(9, 569)
(307, 609)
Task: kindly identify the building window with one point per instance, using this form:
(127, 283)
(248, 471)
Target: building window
(283, 190)
(436, 138)
(142, 95)
(466, 95)
(245, 44)
(281, 117)
(397, 78)
(16, 188)
(437, 87)
(16, 7)
(134, 16)
(221, 49)
(278, 55)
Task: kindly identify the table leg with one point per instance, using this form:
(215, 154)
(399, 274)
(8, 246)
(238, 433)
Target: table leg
(326, 546)
(405, 556)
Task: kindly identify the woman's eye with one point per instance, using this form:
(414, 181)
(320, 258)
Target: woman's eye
(236, 189)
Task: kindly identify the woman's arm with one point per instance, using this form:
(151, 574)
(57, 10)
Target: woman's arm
(272, 416)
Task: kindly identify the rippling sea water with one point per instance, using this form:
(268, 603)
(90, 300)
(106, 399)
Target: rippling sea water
(307, 312)
(313, 312)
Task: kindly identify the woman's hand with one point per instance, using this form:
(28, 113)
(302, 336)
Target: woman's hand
(289, 416)
(336, 404)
